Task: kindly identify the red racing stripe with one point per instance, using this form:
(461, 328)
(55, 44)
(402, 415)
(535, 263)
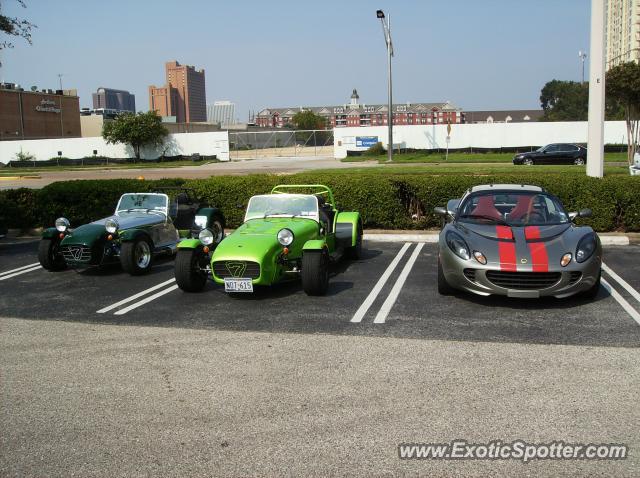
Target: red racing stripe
(538, 250)
(506, 248)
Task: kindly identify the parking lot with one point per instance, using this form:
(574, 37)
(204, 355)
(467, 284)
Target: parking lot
(412, 365)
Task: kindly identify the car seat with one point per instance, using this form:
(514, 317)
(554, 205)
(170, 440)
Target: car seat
(485, 207)
(186, 212)
(523, 207)
(326, 212)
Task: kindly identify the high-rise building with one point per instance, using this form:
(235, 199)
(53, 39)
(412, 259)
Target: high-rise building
(222, 112)
(110, 99)
(622, 31)
(183, 95)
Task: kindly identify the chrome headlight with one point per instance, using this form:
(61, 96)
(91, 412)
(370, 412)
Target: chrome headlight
(285, 237)
(586, 247)
(111, 225)
(457, 244)
(201, 221)
(206, 237)
(62, 224)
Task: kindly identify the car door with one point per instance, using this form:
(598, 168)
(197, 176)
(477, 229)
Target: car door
(565, 154)
(549, 155)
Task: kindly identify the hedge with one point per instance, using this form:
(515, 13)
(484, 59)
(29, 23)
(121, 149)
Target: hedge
(388, 201)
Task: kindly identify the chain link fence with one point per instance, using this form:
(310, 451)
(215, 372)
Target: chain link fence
(288, 143)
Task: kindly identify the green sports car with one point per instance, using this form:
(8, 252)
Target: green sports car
(293, 232)
(143, 226)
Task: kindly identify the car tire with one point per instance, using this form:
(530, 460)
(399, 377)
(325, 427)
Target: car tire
(49, 256)
(443, 286)
(528, 162)
(592, 292)
(217, 227)
(315, 272)
(136, 257)
(578, 161)
(188, 275)
(355, 252)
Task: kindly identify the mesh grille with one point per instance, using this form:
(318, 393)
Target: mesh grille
(236, 269)
(523, 280)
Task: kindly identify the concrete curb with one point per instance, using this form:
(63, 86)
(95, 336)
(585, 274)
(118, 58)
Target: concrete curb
(607, 240)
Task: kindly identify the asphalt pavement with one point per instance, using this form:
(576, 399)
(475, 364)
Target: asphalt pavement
(109, 375)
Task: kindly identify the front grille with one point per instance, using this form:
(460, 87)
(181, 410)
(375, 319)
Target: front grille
(76, 253)
(470, 274)
(575, 277)
(523, 280)
(237, 269)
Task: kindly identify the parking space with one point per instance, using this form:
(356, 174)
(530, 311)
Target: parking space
(391, 291)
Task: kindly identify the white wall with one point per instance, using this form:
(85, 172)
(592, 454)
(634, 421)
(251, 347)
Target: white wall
(180, 143)
(493, 135)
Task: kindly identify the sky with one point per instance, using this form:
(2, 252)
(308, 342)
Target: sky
(480, 55)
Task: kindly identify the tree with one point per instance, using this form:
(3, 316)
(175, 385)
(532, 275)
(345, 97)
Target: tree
(136, 130)
(623, 87)
(564, 101)
(13, 26)
(307, 119)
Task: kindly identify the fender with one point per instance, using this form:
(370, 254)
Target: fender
(314, 245)
(50, 233)
(132, 234)
(347, 224)
(189, 244)
(210, 213)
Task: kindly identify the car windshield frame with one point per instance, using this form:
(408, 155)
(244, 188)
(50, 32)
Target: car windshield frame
(563, 216)
(140, 206)
(278, 208)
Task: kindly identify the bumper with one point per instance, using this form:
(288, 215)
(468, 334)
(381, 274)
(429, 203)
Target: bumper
(479, 279)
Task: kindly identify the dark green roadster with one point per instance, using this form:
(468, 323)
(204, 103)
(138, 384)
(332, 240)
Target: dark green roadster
(294, 232)
(144, 225)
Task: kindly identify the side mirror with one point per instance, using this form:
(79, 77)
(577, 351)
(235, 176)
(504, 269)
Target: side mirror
(440, 211)
(585, 213)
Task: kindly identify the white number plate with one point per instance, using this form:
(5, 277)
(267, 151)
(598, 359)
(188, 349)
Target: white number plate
(238, 285)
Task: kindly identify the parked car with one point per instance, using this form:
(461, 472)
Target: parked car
(143, 226)
(293, 232)
(556, 153)
(518, 241)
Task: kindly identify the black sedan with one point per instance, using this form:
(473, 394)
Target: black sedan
(556, 153)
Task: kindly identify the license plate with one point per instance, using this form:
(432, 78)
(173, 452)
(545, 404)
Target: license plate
(238, 285)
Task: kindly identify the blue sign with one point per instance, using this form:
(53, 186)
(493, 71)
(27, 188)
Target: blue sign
(366, 141)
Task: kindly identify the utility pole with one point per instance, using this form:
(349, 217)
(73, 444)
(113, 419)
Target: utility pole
(583, 56)
(595, 139)
(386, 27)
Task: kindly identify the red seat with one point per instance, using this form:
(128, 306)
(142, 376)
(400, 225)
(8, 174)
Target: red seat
(485, 207)
(523, 207)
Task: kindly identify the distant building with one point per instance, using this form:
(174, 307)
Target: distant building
(502, 116)
(356, 114)
(221, 112)
(622, 32)
(110, 99)
(183, 95)
(38, 114)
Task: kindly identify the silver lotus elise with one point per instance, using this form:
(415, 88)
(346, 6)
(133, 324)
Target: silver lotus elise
(517, 241)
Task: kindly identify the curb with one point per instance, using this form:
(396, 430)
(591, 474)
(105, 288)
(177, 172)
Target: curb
(606, 240)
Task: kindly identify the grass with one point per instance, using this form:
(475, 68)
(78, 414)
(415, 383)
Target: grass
(460, 158)
(13, 171)
(467, 169)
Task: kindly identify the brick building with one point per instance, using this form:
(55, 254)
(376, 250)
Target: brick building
(356, 114)
(38, 114)
(183, 95)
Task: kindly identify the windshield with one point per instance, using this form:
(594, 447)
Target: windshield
(282, 205)
(520, 208)
(143, 202)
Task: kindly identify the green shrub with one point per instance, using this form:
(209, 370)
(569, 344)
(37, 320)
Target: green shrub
(375, 150)
(389, 201)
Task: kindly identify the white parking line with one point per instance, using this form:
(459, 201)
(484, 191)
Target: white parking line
(621, 300)
(634, 293)
(135, 296)
(20, 273)
(397, 287)
(19, 268)
(379, 285)
(146, 300)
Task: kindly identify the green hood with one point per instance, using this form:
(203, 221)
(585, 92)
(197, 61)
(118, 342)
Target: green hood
(85, 235)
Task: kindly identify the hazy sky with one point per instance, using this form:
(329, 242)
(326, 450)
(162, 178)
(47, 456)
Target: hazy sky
(490, 54)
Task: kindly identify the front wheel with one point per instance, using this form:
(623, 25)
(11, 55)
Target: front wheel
(528, 162)
(49, 255)
(443, 286)
(355, 252)
(578, 161)
(592, 292)
(189, 272)
(136, 256)
(315, 272)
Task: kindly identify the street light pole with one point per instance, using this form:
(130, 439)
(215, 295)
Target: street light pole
(583, 56)
(386, 28)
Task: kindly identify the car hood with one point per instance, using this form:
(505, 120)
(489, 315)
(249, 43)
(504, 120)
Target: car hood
(88, 233)
(490, 231)
(257, 238)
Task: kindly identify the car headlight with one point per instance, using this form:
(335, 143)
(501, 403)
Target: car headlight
(566, 259)
(285, 237)
(457, 244)
(62, 224)
(111, 225)
(480, 257)
(201, 221)
(586, 247)
(206, 237)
